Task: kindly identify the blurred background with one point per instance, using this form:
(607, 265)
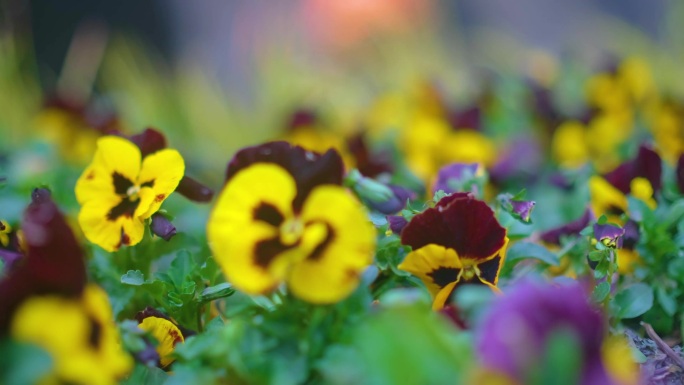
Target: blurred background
(216, 76)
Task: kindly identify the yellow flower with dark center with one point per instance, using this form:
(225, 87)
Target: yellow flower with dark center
(263, 231)
(79, 335)
(5, 230)
(166, 333)
(457, 242)
(120, 189)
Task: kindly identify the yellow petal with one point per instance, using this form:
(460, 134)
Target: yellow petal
(443, 296)
(641, 189)
(166, 168)
(67, 336)
(605, 197)
(569, 145)
(338, 245)
(233, 231)
(424, 262)
(166, 333)
(96, 227)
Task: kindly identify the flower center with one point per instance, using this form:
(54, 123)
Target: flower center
(132, 192)
(291, 231)
(468, 273)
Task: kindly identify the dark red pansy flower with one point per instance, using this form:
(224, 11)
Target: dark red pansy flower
(647, 165)
(53, 262)
(459, 241)
(368, 164)
(680, 174)
(309, 169)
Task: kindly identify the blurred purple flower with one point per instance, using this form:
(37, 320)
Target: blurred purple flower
(520, 159)
(512, 337)
(453, 177)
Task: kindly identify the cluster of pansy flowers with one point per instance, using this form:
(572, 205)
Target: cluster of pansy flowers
(286, 221)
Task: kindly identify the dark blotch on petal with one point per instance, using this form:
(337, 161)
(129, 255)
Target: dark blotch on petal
(309, 169)
(444, 275)
(265, 251)
(268, 213)
(489, 271)
(162, 227)
(121, 183)
(149, 141)
(125, 208)
(465, 224)
(318, 251)
(95, 334)
(194, 190)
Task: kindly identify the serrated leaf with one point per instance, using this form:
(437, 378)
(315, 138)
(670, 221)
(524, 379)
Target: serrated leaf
(133, 277)
(524, 250)
(634, 300)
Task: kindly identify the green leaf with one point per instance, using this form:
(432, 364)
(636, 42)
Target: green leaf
(634, 300)
(600, 292)
(23, 364)
(523, 250)
(666, 301)
(602, 220)
(215, 292)
(133, 277)
(674, 214)
(143, 375)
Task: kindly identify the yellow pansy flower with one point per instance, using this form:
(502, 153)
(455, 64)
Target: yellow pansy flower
(80, 336)
(167, 335)
(120, 189)
(271, 226)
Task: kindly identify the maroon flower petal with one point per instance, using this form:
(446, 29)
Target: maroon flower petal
(469, 118)
(149, 141)
(309, 169)
(464, 224)
(680, 174)
(368, 164)
(573, 228)
(54, 260)
(647, 164)
(194, 190)
(301, 118)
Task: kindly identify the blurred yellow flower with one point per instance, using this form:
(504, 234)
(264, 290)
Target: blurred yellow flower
(79, 335)
(166, 333)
